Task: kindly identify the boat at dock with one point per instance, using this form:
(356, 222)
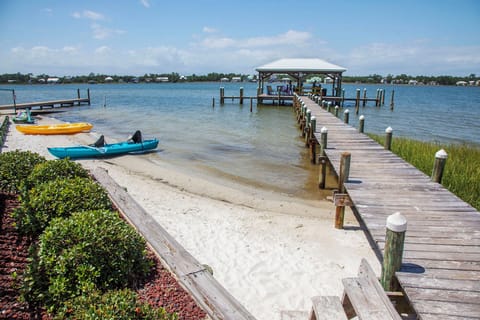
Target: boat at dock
(63, 128)
(101, 149)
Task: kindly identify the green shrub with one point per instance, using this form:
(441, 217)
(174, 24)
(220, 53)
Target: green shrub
(15, 167)
(53, 170)
(119, 305)
(58, 198)
(90, 250)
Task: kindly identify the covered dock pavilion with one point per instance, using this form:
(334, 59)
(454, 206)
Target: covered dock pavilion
(299, 70)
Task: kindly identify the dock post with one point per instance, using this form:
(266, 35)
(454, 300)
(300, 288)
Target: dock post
(357, 102)
(311, 137)
(346, 116)
(377, 98)
(323, 159)
(78, 96)
(328, 107)
(391, 99)
(213, 102)
(344, 173)
(343, 98)
(251, 104)
(306, 126)
(383, 97)
(241, 95)
(393, 252)
(222, 95)
(88, 95)
(336, 111)
(440, 160)
(388, 138)
(361, 123)
(364, 97)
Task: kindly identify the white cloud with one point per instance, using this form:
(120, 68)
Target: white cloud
(101, 32)
(88, 14)
(209, 30)
(145, 3)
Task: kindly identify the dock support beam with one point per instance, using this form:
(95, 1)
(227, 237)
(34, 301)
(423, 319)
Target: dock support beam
(344, 173)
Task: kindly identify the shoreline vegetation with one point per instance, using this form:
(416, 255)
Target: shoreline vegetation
(462, 173)
(29, 78)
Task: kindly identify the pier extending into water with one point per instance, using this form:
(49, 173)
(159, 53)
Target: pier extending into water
(50, 105)
(439, 275)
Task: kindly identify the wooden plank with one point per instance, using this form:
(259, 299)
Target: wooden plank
(365, 300)
(206, 291)
(327, 308)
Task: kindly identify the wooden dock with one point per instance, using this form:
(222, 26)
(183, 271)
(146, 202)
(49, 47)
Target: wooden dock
(51, 105)
(440, 273)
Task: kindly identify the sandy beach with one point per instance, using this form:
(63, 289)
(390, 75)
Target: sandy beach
(272, 252)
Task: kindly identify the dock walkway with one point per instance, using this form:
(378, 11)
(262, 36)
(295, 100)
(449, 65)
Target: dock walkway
(440, 273)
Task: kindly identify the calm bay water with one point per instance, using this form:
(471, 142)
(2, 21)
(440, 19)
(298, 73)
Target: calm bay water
(260, 148)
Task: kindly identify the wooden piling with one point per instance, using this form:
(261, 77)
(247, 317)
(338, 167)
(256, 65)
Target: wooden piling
(393, 252)
(323, 140)
(213, 102)
(343, 98)
(438, 166)
(222, 95)
(78, 95)
(344, 173)
(241, 95)
(361, 123)
(383, 97)
(388, 138)
(357, 102)
(88, 96)
(391, 100)
(336, 111)
(346, 116)
(251, 104)
(311, 137)
(377, 98)
(364, 96)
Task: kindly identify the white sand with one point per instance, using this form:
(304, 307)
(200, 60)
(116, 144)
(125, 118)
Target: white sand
(270, 251)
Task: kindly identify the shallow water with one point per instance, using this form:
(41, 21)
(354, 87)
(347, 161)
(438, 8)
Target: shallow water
(262, 148)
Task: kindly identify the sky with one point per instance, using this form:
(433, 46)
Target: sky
(135, 37)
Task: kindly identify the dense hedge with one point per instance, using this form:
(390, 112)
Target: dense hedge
(58, 198)
(53, 170)
(115, 304)
(15, 167)
(90, 250)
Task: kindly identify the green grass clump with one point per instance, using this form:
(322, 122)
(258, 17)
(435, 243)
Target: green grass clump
(462, 171)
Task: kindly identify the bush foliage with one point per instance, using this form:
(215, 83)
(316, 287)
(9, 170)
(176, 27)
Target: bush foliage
(58, 198)
(53, 170)
(15, 167)
(115, 304)
(90, 250)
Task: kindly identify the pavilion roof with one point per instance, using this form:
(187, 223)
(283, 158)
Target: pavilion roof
(300, 65)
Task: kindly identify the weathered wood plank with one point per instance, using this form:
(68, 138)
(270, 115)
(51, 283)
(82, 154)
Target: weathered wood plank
(327, 308)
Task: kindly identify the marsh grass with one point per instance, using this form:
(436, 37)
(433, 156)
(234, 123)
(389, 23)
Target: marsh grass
(462, 170)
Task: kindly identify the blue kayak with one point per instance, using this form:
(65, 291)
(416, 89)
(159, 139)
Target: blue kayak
(102, 149)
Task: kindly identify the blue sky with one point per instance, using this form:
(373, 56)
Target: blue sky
(61, 37)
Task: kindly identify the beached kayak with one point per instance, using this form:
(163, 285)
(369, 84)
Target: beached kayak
(63, 128)
(102, 149)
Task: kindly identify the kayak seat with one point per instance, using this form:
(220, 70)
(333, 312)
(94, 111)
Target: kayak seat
(99, 143)
(136, 137)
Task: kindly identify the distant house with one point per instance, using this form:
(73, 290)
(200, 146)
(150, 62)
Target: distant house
(461, 83)
(413, 82)
(108, 79)
(236, 79)
(161, 79)
(53, 80)
(224, 80)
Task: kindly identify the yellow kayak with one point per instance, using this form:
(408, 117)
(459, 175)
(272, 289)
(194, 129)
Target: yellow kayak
(63, 128)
